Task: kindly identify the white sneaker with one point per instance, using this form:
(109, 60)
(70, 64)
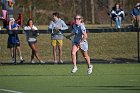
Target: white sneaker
(90, 69)
(74, 69)
(42, 62)
(32, 62)
(119, 26)
(55, 62)
(61, 61)
(13, 61)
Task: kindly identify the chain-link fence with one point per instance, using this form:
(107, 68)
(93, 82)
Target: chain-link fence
(104, 47)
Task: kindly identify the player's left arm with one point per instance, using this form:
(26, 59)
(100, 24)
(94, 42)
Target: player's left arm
(84, 33)
(84, 37)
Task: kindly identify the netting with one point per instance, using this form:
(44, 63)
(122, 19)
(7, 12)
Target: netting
(112, 47)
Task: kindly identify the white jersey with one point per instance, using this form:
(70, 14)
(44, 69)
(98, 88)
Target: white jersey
(31, 33)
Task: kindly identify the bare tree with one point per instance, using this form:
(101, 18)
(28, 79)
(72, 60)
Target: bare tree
(92, 11)
(123, 4)
(110, 3)
(83, 7)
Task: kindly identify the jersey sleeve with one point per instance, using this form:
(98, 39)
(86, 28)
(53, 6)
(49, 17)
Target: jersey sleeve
(64, 26)
(83, 28)
(35, 28)
(50, 25)
(26, 28)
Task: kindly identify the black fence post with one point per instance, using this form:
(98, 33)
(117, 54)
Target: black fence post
(138, 44)
(14, 47)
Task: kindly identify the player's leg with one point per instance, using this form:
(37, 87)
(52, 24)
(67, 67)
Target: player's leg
(54, 45)
(12, 55)
(84, 51)
(35, 52)
(10, 45)
(75, 48)
(19, 54)
(60, 44)
(87, 58)
(34, 47)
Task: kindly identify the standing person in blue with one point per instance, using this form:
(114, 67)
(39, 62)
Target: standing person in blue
(117, 14)
(31, 35)
(56, 26)
(80, 43)
(136, 15)
(13, 40)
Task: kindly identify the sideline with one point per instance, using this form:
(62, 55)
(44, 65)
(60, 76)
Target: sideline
(10, 91)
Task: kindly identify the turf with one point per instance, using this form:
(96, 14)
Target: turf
(106, 78)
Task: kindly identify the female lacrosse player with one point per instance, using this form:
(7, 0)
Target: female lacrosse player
(56, 26)
(80, 42)
(31, 34)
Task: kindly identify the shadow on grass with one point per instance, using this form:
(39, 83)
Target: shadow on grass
(115, 60)
(125, 60)
(49, 75)
(108, 87)
(93, 61)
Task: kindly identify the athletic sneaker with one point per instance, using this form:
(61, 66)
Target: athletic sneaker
(42, 62)
(32, 62)
(55, 62)
(74, 69)
(61, 61)
(13, 61)
(21, 61)
(90, 69)
(119, 26)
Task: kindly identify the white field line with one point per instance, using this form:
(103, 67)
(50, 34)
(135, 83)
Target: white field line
(10, 91)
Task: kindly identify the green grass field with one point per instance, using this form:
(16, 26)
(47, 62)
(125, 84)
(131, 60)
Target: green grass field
(106, 78)
(49, 78)
(117, 46)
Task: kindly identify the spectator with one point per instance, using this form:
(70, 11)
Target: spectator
(4, 11)
(136, 15)
(7, 8)
(80, 42)
(117, 14)
(7, 11)
(13, 40)
(31, 34)
(56, 26)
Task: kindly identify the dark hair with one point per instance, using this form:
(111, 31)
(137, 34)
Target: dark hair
(117, 4)
(56, 14)
(29, 21)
